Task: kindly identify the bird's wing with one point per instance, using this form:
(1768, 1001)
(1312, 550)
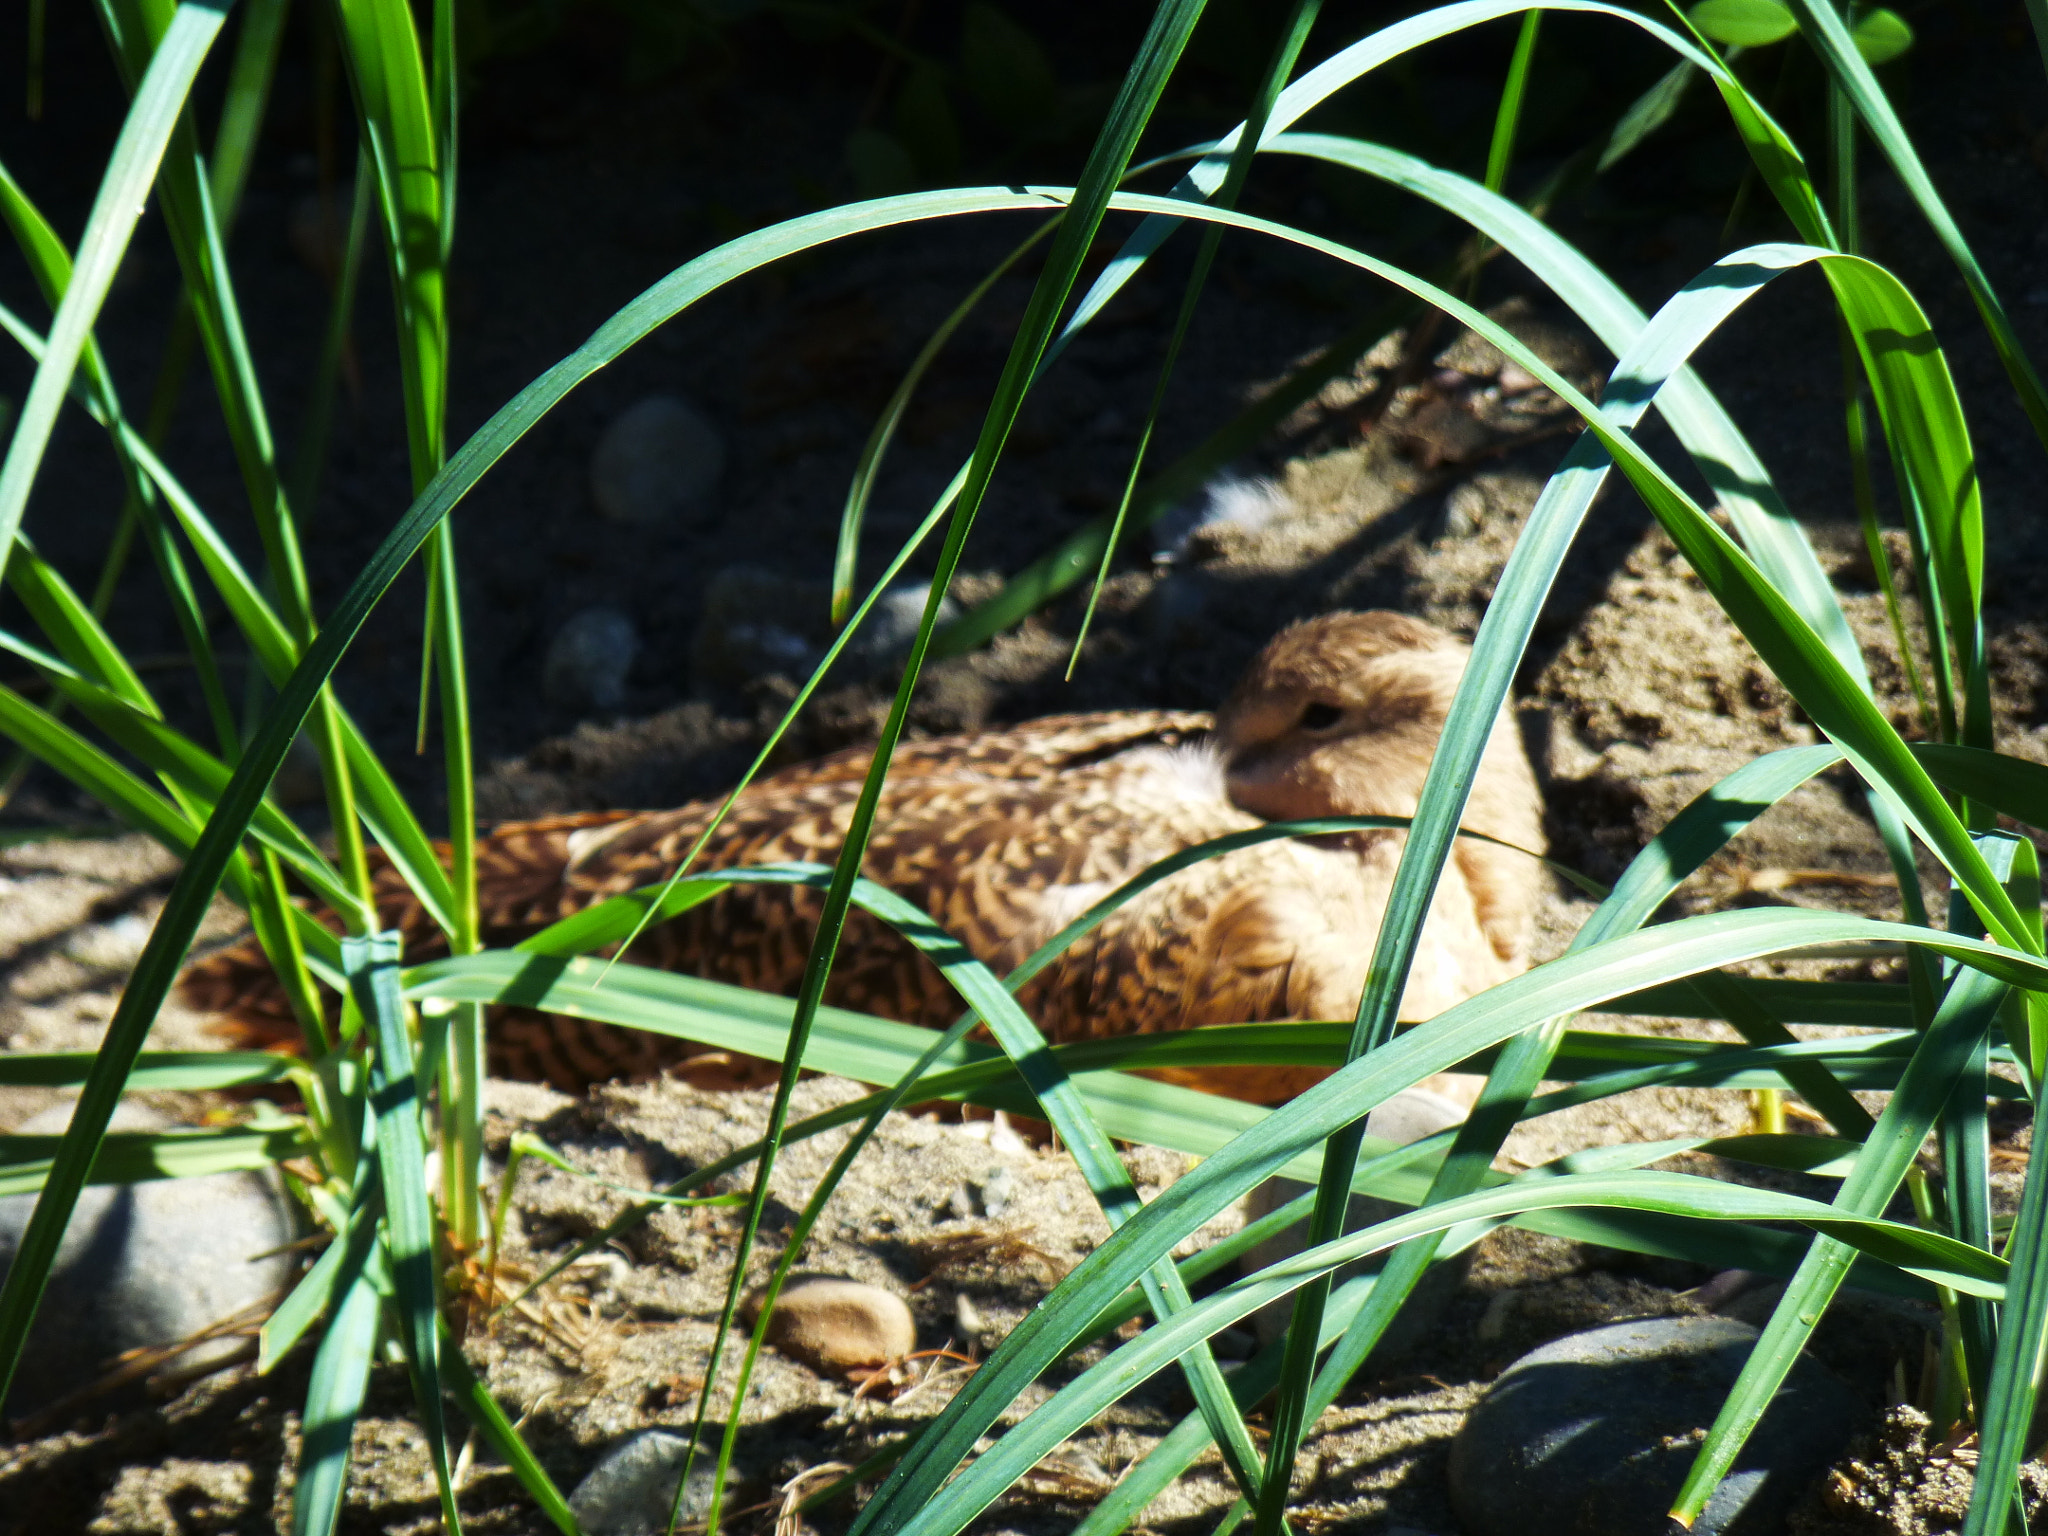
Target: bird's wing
(1036, 749)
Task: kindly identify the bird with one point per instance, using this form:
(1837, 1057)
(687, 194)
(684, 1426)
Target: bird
(1005, 836)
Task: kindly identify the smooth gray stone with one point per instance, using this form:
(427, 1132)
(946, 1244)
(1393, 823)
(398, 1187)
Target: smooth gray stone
(588, 660)
(629, 1491)
(658, 461)
(143, 1265)
(1592, 1435)
(1409, 1115)
(885, 634)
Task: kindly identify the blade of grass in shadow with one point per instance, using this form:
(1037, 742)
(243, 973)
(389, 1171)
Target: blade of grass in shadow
(503, 1434)
(145, 134)
(340, 1382)
(846, 554)
(1830, 39)
(309, 460)
(371, 964)
(1294, 33)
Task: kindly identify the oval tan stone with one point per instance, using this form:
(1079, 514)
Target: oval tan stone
(839, 1325)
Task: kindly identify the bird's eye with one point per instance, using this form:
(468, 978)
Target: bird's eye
(1320, 717)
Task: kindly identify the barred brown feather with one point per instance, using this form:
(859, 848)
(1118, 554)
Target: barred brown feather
(1006, 836)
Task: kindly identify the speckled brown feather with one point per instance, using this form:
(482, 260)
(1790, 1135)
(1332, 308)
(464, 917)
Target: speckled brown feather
(1006, 836)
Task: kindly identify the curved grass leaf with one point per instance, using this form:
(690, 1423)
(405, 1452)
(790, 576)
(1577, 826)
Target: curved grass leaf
(503, 1434)
(1830, 39)
(371, 965)
(156, 1071)
(340, 1381)
(145, 134)
(136, 1157)
(846, 553)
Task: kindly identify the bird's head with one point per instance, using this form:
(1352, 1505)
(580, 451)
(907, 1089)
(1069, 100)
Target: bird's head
(1338, 716)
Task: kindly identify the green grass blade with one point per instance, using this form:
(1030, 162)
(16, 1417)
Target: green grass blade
(308, 1301)
(952, 1508)
(340, 1381)
(145, 134)
(309, 458)
(1293, 36)
(1824, 31)
(156, 1071)
(1507, 117)
(135, 1157)
(503, 1434)
(372, 967)
(1952, 1040)
(846, 554)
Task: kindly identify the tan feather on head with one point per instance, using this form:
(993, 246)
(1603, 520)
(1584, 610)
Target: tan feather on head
(1340, 715)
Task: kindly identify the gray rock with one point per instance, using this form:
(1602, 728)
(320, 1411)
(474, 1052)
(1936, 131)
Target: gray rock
(1593, 1434)
(657, 462)
(588, 660)
(885, 634)
(145, 1265)
(757, 622)
(629, 1491)
(1408, 1116)
(1464, 512)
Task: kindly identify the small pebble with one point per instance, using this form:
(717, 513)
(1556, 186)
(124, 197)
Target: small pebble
(839, 1325)
(588, 660)
(1464, 512)
(629, 1492)
(144, 1265)
(967, 1317)
(658, 461)
(1593, 1434)
(885, 634)
(998, 1189)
